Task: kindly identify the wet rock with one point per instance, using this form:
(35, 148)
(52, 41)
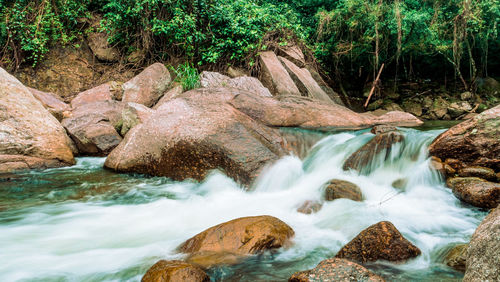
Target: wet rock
(274, 76)
(132, 115)
(438, 165)
(175, 91)
(105, 92)
(241, 236)
(294, 55)
(380, 144)
(456, 257)
(174, 270)
(209, 259)
(51, 102)
(336, 269)
(475, 191)
(197, 132)
(147, 87)
(251, 84)
(28, 131)
(400, 184)
(305, 82)
(338, 189)
(474, 141)
(309, 207)
(457, 109)
(477, 171)
(483, 253)
(379, 129)
(454, 163)
(381, 241)
(413, 107)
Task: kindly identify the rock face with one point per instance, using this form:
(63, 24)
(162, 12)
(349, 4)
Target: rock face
(105, 92)
(132, 115)
(28, 132)
(305, 82)
(174, 270)
(381, 241)
(92, 127)
(483, 254)
(241, 236)
(147, 87)
(474, 142)
(338, 189)
(475, 191)
(456, 257)
(477, 171)
(336, 269)
(252, 84)
(51, 102)
(275, 77)
(380, 144)
(195, 133)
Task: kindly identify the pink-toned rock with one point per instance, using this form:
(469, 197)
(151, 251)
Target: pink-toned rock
(334, 96)
(51, 102)
(132, 115)
(147, 87)
(252, 84)
(398, 118)
(275, 77)
(169, 95)
(305, 82)
(104, 92)
(294, 55)
(30, 137)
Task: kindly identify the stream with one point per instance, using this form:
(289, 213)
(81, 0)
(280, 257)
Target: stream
(84, 223)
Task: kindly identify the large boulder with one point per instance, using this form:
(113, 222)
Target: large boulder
(241, 236)
(195, 133)
(341, 189)
(336, 269)
(92, 127)
(483, 253)
(474, 141)
(104, 92)
(147, 87)
(173, 271)
(381, 241)
(132, 115)
(397, 118)
(215, 80)
(475, 191)
(274, 76)
(305, 82)
(51, 102)
(28, 131)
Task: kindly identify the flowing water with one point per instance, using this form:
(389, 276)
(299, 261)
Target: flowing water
(84, 223)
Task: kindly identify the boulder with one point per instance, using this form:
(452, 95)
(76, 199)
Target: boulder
(242, 236)
(475, 191)
(174, 270)
(30, 137)
(132, 115)
(336, 269)
(305, 82)
(294, 55)
(274, 76)
(197, 132)
(381, 241)
(483, 253)
(251, 84)
(454, 163)
(105, 92)
(99, 44)
(413, 107)
(473, 142)
(477, 171)
(457, 109)
(400, 183)
(456, 257)
(147, 87)
(380, 144)
(169, 95)
(309, 207)
(398, 118)
(51, 102)
(338, 189)
(439, 108)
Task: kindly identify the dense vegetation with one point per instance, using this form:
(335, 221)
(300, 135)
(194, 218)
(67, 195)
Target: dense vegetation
(351, 38)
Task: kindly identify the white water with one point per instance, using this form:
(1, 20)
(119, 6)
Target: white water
(118, 235)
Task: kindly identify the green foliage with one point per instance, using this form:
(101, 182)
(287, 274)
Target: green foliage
(187, 75)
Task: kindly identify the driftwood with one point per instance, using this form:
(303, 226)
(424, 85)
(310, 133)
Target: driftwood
(374, 85)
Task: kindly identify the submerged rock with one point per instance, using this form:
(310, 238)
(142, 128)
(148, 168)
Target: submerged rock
(336, 269)
(456, 257)
(147, 87)
(174, 270)
(338, 189)
(309, 207)
(475, 191)
(381, 241)
(478, 171)
(483, 253)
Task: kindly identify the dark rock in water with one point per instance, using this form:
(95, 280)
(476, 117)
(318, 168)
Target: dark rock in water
(309, 207)
(338, 189)
(174, 270)
(379, 129)
(477, 171)
(381, 143)
(381, 241)
(336, 269)
(456, 257)
(475, 191)
(400, 183)
(483, 254)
